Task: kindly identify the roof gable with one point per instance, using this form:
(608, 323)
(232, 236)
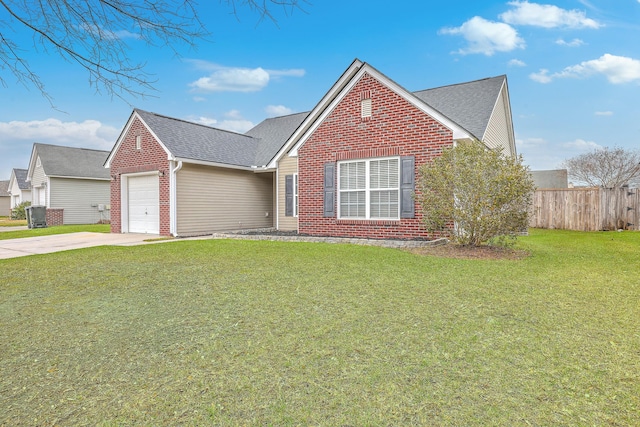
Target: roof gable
(322, 111)
(193, 142)
(19, 176)
(69, 162)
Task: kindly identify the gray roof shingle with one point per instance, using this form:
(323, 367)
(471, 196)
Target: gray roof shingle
(468, 104)
(72, 162)
(194, 141)
(21, 178)
(273, 133)
(4, 189)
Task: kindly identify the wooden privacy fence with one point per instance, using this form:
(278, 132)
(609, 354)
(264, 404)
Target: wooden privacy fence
(586, 209)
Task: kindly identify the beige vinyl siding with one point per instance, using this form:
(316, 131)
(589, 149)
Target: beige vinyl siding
(286, 166)
(211, 199)
(498, 131)
(5, 205)
(80, 199)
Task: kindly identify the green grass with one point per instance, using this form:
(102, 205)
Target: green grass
(5, 221)
(227, 333)
(59, 229)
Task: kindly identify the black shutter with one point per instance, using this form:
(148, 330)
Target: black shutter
(407, 187)
(329, 190)
(288, 195)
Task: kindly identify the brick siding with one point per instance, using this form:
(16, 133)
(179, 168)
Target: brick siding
(395, 128)
(54, 217)
(151, 157)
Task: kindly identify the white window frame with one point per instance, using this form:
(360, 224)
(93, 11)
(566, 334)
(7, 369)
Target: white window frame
(368, 190)
(138, 142)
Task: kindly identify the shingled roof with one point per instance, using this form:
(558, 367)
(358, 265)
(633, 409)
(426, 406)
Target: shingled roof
(21, 178)
(4, 189)
(188, 140)
(273, 133)
(468, 104)
(193, 141)
(71, 162)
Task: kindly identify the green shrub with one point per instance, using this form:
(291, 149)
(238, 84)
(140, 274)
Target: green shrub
(475, 195)
(19, 212)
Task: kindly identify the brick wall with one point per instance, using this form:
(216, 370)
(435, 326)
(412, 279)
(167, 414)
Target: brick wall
(395, 128)
(54, 217)
(151, 157)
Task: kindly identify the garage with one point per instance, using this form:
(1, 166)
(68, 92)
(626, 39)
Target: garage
(143, 204)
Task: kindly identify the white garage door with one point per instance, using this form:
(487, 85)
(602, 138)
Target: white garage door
(143, 204)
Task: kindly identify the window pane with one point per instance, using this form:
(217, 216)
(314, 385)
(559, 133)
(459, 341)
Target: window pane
(384, 204)
(352, 176)
(383, 174)
(352, 204)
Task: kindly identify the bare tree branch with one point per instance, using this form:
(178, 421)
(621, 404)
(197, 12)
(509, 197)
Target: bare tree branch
(95, 35)
(607, 167)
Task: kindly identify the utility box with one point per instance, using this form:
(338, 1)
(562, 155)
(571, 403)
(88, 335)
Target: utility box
(36, 216)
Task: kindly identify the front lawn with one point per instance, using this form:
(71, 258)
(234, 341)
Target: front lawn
(222, 332)
(58, 229)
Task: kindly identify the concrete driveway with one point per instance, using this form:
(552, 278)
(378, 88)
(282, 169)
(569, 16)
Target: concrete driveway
(14, 248)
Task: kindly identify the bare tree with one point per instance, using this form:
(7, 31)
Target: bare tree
(606, 167)
(94, 35)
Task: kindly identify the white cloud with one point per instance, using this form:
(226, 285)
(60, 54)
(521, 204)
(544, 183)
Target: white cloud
(546, 16)
(277, 110)
(516, 63)
(617, 69)
(236, 79)
(572, 43)
(541, 76)
(604, 113)
(87, 134)
(234, 122)
(294, 72)
(486, 37)
(581, 145)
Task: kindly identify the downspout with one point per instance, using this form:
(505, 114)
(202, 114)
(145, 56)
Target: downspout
(173, 198)
(277, 221)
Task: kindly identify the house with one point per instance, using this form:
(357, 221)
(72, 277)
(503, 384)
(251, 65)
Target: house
(71, 182)
(5, 199)
(19, 188)
(346, 168)
(555, 178)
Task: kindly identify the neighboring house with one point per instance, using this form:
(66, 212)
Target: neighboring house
(19, 187)
(347, 168)
(5, 199)
(71, 182)
(556, 178)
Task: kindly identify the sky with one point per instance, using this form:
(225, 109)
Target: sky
(573, 70)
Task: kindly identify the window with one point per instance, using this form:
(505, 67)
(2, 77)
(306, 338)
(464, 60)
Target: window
(369, 189)
(138, 142)
(291, 195)
(38, 162)
(295, 194)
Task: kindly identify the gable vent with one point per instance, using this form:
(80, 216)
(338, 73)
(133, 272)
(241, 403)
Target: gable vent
(365, 108)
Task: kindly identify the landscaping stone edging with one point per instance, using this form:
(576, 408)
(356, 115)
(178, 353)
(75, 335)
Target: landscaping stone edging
(400, 244)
